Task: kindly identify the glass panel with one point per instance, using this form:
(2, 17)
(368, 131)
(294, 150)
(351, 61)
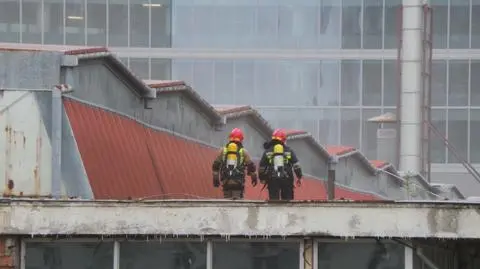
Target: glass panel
(267, 26)
(139, 23)
(351, 86)
(139, 67)
(440, 23)
(223, 82)
(475, 24)
(361, 255)
(350, 127)
(118, 23)
(183, 26)
(160, 69)
(351, 24)
(369, 143)
(474, 131)
(69, 255)
(306, 25)
(97, 22)
(330, 24)
(329, 83)
(53, 23)
(458, 83)
(390, 83)
(141, 255)
(244, 82)
(182, 70)
(459, 24)
(437, 147)
(392, 19)
(267, 255)
(475, 83)
(266, 83)
(458, 133)
(203, 78)
(32, 22)
(75, 22)
(372, 24)
(10, 21)
(439, 82)
(204, 18)
(328, 126)
(161, 34)
(372, 82)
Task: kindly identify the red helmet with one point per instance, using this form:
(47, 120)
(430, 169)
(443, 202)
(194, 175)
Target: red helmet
(236, 135)
(280, 135)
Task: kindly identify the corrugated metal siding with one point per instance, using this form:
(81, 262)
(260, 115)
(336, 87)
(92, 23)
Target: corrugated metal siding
(124, 159)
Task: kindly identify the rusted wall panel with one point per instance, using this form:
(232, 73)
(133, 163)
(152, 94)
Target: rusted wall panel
(25, 149)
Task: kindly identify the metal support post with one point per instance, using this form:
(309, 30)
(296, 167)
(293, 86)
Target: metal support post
(332, 164)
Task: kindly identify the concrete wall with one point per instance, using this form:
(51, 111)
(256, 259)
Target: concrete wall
(312, 162)
(176, 112)
(95, 82)
(351, 172)
(254, 139)
(32, 70)
(25, 143)
(389, 187)
(457, 175)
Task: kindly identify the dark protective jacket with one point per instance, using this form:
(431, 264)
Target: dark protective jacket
(245, 163)
(265, 166)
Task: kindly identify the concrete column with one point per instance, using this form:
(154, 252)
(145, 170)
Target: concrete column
(411, 95)
(408, 258)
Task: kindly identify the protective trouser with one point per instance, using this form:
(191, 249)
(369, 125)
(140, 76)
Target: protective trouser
(280, 189)
(233, 189)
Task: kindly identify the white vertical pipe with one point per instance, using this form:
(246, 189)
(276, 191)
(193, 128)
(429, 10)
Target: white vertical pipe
(408, 257)
(411, 95)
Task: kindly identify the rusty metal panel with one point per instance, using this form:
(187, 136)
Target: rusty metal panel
(25, 151)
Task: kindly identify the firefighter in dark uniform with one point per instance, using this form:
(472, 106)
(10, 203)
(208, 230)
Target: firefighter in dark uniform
(277, 166)
(229, 167)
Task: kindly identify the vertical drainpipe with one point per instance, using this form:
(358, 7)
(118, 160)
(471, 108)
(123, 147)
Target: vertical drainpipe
(56, 142)
(411, 81)
(332, 165)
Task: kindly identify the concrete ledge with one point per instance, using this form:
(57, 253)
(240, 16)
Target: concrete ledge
(244, 218)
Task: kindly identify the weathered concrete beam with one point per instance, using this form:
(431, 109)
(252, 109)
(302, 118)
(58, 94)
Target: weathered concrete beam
(247, 218)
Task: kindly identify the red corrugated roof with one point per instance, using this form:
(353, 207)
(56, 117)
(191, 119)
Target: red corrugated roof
(339, 150)
(123, 158)
(378, 163)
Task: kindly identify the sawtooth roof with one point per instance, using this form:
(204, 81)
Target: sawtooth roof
(125, 158)
(235, 112)
(164, 87)
(155, 88)
(88, 53)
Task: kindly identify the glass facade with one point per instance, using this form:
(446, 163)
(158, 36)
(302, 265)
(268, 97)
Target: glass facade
(211, 254)
(287, 24)
(330, 98)
(126, 23)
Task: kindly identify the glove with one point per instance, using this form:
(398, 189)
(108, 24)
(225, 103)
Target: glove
(299, 182)
(254, 179)
(216, 181)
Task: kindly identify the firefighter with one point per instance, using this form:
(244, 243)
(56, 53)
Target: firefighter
(229, 167)
(277, 166)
